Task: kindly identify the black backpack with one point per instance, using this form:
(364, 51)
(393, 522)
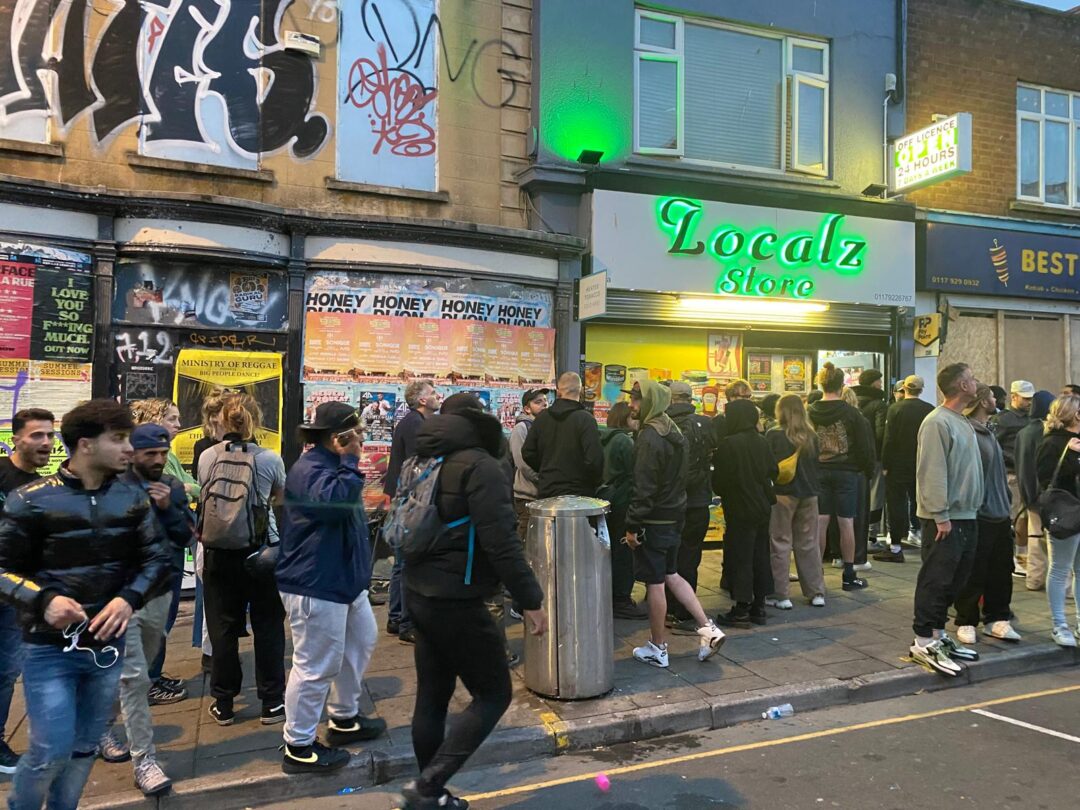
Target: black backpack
(699, 441)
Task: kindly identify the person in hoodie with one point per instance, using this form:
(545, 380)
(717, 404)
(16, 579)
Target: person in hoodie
(1061, 446)
(745, 485)
(991, 577)
(654, 524)
(845, 451)
(1006, 425)
(456, 637)
(1027, 482)
(697, 430)
(563, 445)
(898, 453)
(618, 444)
(533, 403)
(873, 404)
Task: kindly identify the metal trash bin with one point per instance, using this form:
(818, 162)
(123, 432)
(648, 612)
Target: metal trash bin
(569, 550)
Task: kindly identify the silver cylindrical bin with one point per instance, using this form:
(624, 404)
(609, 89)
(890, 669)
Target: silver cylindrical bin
(570, 552)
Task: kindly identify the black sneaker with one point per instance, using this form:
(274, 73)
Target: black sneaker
(414, 801)
(353, 729)
(734, 618)
(855, 584)
(314, 758)
(162, 695)
(392, 628)
(681, 627)
(627, 609)
(758, 616)
(888, 555)
(407, 636)
(170, 682)
(273, 714)
(222, 712)
(8, 758)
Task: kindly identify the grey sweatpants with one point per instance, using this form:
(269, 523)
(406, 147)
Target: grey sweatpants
(145, 633)
(332, 647)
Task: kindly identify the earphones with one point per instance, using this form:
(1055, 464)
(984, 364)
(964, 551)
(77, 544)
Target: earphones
(73, 635)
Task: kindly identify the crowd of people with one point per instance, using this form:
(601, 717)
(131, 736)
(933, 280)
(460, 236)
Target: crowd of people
(92, 556)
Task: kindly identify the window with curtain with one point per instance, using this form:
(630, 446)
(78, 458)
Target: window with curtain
(1048, 145)
(730, 96)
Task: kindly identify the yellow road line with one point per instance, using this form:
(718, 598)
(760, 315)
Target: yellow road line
(734, 749)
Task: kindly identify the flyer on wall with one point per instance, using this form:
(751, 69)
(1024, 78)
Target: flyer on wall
(58, 387)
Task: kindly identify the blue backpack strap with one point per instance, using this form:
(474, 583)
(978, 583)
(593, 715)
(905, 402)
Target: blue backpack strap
(472, 544)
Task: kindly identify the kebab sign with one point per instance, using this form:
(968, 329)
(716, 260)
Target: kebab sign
(931, 155)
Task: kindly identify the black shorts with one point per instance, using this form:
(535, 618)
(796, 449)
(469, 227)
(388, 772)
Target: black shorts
(658, 556)
(839, 494)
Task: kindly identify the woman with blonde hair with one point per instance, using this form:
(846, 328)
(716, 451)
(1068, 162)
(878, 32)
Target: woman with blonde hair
(794, 521)
(1058, 460)
(229, 587)
(164, 412)
(213, 430)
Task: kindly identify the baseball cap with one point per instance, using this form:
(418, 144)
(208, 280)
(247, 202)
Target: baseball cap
(681, 389)
(982, 394)
(913, 382)
(870, 376)
(532, 394)
(149, 437)
(898, 387)
(335, 416)
(1023, 388)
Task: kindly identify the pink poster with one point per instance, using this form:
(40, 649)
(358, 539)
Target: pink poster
(16, 308)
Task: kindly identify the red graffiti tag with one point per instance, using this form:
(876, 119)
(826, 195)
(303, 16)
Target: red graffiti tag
(397, 106)
(157, 27)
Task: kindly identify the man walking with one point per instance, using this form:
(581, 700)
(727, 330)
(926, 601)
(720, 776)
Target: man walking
(563, 445)
(1006, 425)
(323, 573)
(898, 456)
(526, 480)
(79, 553)
(423, 402)
(32, 436)
(697, 431)
(949, 490)
(991, 578)
(654, 524)
(146, 630)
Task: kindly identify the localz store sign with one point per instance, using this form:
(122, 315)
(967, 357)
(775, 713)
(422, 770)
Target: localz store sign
(679, 244)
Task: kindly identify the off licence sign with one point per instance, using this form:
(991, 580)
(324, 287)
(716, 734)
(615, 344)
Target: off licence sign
(933, 154)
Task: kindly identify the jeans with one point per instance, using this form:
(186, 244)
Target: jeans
(158, 664)
(794, 527)
(899, 498)
(991, 579)
(474, 653)
(946, 566)
(398, 613)
(695, 527)
(68, 701)
(11, 651)
(622, 558)
(1064, 565)
(143, 638)
(746, 562)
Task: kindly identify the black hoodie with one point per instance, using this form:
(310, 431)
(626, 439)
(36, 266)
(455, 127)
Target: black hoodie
(844, 438)
(563, 447)
(873, 406)
(744, 480)
(472, 482)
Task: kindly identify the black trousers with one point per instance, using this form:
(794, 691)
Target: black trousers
(946, 566)
(991, 576)
(747, 563)
(862, 520)
(695, 527)
(622, 558)
(472, 651)
(228, 591)
(899, 503)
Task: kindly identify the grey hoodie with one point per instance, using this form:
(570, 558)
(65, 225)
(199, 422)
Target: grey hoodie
(996, 497)
(526, 479)
(948, 468)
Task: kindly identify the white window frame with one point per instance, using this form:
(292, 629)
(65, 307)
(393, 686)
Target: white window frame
(790, 78)
(1041, 118)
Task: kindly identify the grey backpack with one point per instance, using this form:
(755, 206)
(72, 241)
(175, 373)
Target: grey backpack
(232, 515)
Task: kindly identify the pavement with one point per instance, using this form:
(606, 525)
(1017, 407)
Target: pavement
(852, 651)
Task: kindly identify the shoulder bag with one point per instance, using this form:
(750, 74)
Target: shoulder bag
(1060, 509)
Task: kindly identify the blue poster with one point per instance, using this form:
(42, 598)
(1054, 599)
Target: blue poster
(992, 261)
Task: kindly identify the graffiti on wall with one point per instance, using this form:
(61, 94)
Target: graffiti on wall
(204, 80)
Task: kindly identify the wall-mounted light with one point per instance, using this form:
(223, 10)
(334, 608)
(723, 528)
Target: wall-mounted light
(752, 306)
(876, 190)
(590, 157)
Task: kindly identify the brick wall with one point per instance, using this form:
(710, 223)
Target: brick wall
(967, 56)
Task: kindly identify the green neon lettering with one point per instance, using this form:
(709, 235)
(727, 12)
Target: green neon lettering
(799, 250)
(758, 242)
(729, 282)
(804, 288)
(722, 237)
(682, 225)
(850, 260)
(828, 231)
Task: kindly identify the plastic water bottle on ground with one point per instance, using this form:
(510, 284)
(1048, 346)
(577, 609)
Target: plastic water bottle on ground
(776, 712)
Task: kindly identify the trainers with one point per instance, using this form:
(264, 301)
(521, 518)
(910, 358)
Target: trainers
(8, 758)
(314, 758)
(415, 801)
(933, 656)
(170, 682)
(712, 639)
(837, 563)
(222, 712)
(150, 779)
(888, 555)
(779, 604)
(866, 566)
(628, 609)
(343, 731)
(818, 601)
(965, 634)
(914, 540)
(392, 628)
(112, 749)
(652, 655)
(407, 636)
(272, 715)
(161, 694)
(734, 618)
(517, 616)
(877, 546)
(854, 584)
(1002, 630)
(954, 649)
(681, 627)
(758, 615)
(1063, 636)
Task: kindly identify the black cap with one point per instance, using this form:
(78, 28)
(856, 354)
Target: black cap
(532, 394)
(335, 416)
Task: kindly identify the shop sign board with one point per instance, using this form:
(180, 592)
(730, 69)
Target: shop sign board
(592, 296)
(928, 335)
(686, 245)
(933, 154)
(995, 261)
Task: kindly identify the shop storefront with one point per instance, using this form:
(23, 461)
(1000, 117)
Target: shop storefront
(1006, 289)
(708, 291)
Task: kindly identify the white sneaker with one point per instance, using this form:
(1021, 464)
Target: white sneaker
(914, 539)
(1019, 567)
(818, 601)
(149, 778)
(866, 566)
(712, 639)
(966, 634)
(1063, 636)
(652, 655)
(838, 563)
(934, 656)
(1002, 630)
(779, 604)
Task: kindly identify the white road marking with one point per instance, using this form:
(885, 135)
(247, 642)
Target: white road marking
(1028, 726)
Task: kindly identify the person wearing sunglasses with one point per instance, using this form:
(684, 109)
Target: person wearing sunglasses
(79, 554)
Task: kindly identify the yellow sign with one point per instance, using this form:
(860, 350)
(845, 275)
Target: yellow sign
(928, 335)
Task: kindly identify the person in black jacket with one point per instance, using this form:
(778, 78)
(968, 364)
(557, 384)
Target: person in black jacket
(563, 445)
(456, 636)
(745, 485)
(1027, 482)
(874, 406)
(79, 554)
(654, 524)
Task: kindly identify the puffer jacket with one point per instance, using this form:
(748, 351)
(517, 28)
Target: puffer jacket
(59, 539)
(473, 483)
(874, 406)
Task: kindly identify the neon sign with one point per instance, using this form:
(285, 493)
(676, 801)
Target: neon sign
(933, 154)
(740, 251)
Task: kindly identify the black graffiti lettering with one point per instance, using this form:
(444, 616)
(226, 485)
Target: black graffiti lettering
(114, 66)
(176, 79)
(19, 76)
(74, 94)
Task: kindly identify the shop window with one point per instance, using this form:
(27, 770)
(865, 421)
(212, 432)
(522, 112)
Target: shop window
(1048, 146)
(723, 95)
